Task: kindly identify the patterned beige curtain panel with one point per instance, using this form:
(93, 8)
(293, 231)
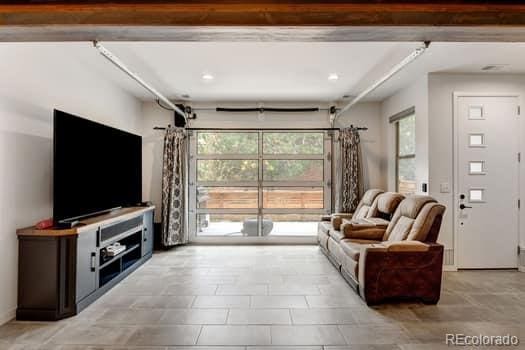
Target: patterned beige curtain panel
(173, 188)
(351, 181)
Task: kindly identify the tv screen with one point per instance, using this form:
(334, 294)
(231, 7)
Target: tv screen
(96, 167)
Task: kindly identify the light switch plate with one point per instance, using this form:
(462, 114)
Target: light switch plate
(444, 187)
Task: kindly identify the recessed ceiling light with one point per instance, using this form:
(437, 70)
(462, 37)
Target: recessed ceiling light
(207, 77)
(333, 77)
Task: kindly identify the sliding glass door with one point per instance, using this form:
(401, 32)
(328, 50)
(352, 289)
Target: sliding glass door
(259, 184)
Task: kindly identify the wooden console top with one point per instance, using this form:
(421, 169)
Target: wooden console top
(86, 224)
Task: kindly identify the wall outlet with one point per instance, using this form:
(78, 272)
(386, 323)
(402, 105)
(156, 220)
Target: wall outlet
(444, 187)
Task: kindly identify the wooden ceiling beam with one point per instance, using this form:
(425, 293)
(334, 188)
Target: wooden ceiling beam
(263, 13)
(266, 20)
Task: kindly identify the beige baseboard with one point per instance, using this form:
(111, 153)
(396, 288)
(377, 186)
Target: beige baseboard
(8, 316)
(450, 268)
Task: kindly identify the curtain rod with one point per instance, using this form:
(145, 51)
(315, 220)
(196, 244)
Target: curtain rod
(361, 128)
(263, 129)
(267, 109)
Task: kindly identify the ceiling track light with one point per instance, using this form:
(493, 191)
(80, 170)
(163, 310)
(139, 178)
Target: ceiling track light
(407, 60)
(119, 64)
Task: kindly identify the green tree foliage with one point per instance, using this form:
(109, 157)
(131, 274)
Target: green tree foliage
(246, 143)
(407, 146)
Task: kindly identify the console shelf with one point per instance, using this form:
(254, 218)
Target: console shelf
(119, 256)
(62, 271)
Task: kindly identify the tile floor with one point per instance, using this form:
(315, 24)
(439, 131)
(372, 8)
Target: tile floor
(268, 298)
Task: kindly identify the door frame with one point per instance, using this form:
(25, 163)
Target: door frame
(328, 140)
(455, 165)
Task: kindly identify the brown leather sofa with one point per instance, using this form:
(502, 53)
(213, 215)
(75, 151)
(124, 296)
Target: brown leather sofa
(400, 260)
(370, 219)
(334, 221)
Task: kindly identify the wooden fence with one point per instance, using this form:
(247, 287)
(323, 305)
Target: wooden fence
(239, 198)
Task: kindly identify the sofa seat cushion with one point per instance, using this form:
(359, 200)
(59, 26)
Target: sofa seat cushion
(352, 247)
(323, 239)
(334, 249)
(351, 267)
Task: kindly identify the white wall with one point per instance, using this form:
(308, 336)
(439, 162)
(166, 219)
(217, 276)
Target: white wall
(35, 79)
(366, 114)
(441, 89)
(415, 95)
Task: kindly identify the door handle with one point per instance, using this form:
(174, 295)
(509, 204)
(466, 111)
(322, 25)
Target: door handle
(93, 261)
(463, 206)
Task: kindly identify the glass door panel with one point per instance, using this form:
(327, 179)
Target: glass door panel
(227, 225)
(214, 143)
(292, 224)
(227, 170)
(293, 198)
(293, 143)
(293, 170)
(258, 183)
(227, 197)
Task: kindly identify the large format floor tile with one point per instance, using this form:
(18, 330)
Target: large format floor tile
(194, 316)
(271, 298)
(82, 334)
(235, 335)
(165, 335)
(222, 302)
(278, 301)
(323, 316)
(259, 316)
(307, 335)
(242, 289)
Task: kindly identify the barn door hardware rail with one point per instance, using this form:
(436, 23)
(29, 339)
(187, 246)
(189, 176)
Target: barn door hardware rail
(398, 67)
(120, 65)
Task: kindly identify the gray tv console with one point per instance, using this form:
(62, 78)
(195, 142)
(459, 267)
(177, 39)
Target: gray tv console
(61, 271)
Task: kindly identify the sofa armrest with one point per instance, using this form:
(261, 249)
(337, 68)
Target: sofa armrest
(337, 219)
(400, 270)
(363, 229)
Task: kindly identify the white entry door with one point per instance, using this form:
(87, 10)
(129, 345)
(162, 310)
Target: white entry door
(487, 170)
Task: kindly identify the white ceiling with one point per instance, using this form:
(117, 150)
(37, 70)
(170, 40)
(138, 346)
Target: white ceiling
(280, 71)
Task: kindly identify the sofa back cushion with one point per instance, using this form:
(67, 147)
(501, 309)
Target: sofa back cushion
(401, 230)
(427, 224)
(366, 203)
(361, 213)
(413, 219)
(385, 205)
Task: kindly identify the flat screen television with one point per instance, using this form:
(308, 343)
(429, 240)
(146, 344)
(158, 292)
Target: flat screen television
(96, 168)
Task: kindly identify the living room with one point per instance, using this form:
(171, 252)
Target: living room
(235, 194)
